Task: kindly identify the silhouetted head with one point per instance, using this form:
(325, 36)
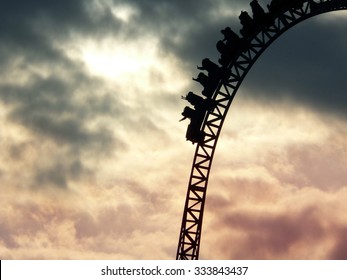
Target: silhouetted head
(244, 15)
(254, 3)
(205, 62)
(220, 46)
(226, 31)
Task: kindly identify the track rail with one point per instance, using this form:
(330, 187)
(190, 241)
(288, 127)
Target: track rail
(190, 233)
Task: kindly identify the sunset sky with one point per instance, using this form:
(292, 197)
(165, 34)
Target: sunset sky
(94, 163)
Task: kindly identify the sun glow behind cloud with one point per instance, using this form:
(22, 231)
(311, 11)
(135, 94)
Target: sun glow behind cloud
(113, 59)
(123, 12)
(139, 63)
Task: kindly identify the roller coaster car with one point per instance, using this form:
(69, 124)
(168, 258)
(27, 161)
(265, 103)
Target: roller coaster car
(215, 72)
(199, 103)
(194, 99)
(228, 51)
(194, 133)
(230, 36)
(258, 11)
(260, 18)
(248, 24)
(208, 82)
(229, 46)
(212, 68)
(232, 39)
(251, 25)
(189, 113)
(278, 6)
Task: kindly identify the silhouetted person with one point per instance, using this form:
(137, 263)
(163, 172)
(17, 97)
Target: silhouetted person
(227, 51)
(194, 99)
(194, 133)
(188, 113)
(258, 11)
(214, 71)
(230, 36)
(260, 18)
(202, 79)
(247, 23)
(277, 6)
(199, 103)
(209, 83)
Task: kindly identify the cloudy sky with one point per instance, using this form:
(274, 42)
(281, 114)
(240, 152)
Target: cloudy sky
(94, 163)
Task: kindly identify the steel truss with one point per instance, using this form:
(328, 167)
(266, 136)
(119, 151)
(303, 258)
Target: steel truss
(190, 234)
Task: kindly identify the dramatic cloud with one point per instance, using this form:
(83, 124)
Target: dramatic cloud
(94, 163)
(307, 64)
(278, 197)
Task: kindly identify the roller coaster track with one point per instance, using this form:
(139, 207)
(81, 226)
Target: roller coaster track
(190, 233)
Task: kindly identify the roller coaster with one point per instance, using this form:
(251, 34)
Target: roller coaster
(220, 84)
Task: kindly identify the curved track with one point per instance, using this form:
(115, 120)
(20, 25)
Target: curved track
(190, 234)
